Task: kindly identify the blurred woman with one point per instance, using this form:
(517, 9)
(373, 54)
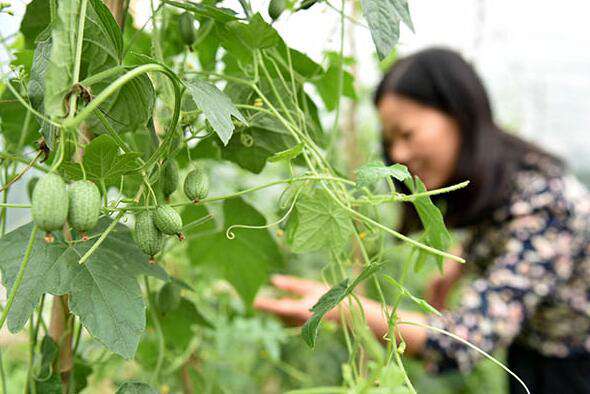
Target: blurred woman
(527, 220)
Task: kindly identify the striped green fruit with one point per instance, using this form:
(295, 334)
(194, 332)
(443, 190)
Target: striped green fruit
(196, 185)
(168, 221)
(276, 8)
(169, 178)
(149, 239)
(49, 205)
(84, 206)
(186, 28)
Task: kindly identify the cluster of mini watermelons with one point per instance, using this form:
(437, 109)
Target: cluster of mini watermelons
(52, 203)
(152, 225)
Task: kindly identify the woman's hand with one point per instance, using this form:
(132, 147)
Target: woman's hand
(294, 310)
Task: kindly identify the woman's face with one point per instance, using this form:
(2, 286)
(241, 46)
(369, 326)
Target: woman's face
(421, 137)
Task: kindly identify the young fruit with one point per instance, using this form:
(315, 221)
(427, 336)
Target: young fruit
(84, 206)
(196, 185)
(148, 237)
(49, 205)
(168, 221)
(276, 8)
(168, 298)
(186, 28)
(169, 178)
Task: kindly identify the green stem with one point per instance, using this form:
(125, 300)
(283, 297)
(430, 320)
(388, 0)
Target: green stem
(28, 106)
(93, 79)
(469, 344)
(273, 183)
(19, 277)
(101, 239)
(30, 380)
(79, 42)
(2, 374)
(8, 156)
(379, 199)
(401, 236)
(339, 84)
(11, 205)
(117, 84)
(161, 343)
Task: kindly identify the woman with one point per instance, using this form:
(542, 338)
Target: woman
(527, 221)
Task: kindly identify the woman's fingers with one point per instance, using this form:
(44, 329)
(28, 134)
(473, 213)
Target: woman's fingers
(296, 285)
(293, 310)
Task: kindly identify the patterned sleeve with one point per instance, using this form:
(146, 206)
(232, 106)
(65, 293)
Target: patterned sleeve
(495, 306)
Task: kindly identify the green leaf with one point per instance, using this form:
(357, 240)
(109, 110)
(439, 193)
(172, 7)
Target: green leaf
(330, 299)
(177, 324)
(80, 376)
(257, 34)
(50, 385)
(264, 143)
(245, 260)
(41, 56)
(435, 231)
(102, 49)
(12, 122)
(370, 173)
(128, 109)
(202, 10)
(301, 63)
(136, 388)
(321, 223)
(49, 351)
(36, 19)
(216, 106)
(207, 46)
(383, 20)
(288, 154)
(403, 11)
(103, 162)
(327, 84)
(44, 274)
(425, 306)
(104, 292)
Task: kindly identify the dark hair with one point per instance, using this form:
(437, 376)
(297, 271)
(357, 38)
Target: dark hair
(440, 78)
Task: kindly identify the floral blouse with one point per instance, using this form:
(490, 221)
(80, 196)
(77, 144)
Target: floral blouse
(533, 266)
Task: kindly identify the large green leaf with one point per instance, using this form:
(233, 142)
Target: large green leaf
(319, 223)
(370, 173)
(103, 162)
(36, 19)
(204, 10)
(216, 106)
(12, 122)
(177, 324)
(327, 84)
(102, 49)
(256, 34)
(103, 292)
(245, 260)
(330, 299)
(128, 109)
(435, 231)
(383, 20)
